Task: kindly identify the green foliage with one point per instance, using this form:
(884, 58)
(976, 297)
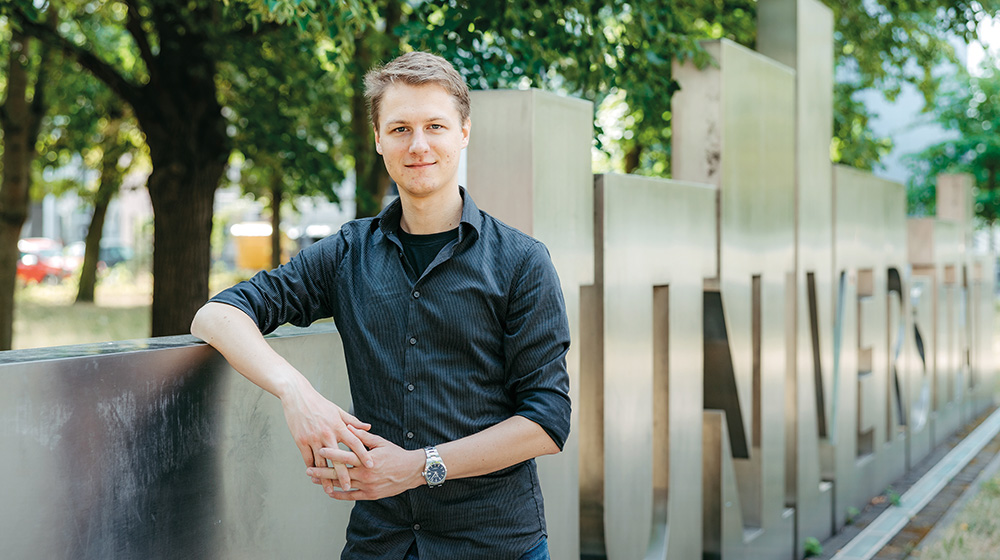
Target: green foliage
(991, 488)
(969, 107)
(853, 141)
(87, 127)
(852, 515)
(284, 109)
(892, 496)
(289, 70)
(883, 44)
(812, 547)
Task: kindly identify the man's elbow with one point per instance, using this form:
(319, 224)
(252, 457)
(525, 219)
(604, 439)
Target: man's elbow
(546, 443)
(549, 447)
(201, 325)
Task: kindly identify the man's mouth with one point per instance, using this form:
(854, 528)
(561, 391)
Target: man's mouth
(420, 165)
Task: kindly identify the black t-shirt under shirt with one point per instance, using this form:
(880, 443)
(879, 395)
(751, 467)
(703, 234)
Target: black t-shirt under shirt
(420, 250)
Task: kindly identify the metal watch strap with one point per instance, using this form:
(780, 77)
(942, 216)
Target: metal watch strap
(435, 470)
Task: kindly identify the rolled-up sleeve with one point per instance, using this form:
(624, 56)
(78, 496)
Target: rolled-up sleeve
(297, 292)
(536, 339)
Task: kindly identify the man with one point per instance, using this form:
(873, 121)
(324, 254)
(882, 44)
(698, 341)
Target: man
(455, 336)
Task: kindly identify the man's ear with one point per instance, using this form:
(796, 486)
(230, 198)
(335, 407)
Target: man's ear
(378, 144)
(466, 129)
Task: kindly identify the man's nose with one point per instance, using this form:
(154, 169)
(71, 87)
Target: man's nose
(419, 142)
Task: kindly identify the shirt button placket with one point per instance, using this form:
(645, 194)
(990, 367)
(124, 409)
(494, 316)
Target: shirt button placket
(413, 311)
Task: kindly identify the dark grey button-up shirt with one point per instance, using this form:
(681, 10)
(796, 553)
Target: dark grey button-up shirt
(479, 337)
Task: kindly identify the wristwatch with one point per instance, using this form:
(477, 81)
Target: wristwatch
(434, 470)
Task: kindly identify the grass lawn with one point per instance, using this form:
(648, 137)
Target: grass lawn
(45, 315)
(975, 534)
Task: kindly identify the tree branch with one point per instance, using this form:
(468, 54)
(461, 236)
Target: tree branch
(134, 27)
(99, 68)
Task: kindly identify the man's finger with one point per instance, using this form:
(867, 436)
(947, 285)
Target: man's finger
(367, 438)
(307, 454)
(342, 475)
(327, 483)
(338, 455)
(352, 420)
(318, 474)
(359, 449)
(351, 496)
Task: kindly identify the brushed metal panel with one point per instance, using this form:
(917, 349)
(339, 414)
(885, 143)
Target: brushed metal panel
(529, 165)
(799, 33)
(869, 445)
(920, 386)
(954, 201)
(982, 287)
(734, 127)
(949, 252)
(158, 449)
(658, 247)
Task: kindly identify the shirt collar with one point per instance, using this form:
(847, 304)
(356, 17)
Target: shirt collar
(388, 219)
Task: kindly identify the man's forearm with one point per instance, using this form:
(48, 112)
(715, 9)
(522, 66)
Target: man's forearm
(510, 442)
(236, 337)
(396, 470)
(313, 421)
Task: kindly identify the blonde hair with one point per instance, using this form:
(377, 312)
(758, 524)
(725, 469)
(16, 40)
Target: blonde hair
(416, 69)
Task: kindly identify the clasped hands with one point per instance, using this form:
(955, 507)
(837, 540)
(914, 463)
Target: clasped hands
(371, 468)
(393, 469)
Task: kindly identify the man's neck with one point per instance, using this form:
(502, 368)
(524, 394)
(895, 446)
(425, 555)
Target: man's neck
(433, 214)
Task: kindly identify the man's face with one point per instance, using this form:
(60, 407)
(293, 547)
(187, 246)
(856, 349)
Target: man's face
(420, 135)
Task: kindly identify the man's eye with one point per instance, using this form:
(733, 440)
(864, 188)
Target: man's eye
(399, 129)
(436, 126)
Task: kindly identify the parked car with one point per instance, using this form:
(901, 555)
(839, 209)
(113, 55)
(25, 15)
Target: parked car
(41, 260)
(113, 253)
(110, 254)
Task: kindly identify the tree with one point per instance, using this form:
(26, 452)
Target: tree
(291, 148)
(971, 108)
(618, 53)
(168, 78)
(21, 113)
(89, 126)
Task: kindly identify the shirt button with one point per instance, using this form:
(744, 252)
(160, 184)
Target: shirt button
(410, 387)
(413, 340)
(409, 435)
(416, 526)
(416, 293)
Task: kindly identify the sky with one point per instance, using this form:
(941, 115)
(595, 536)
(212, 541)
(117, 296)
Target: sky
(989, 31)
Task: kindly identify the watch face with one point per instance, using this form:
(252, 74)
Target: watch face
(435, 473)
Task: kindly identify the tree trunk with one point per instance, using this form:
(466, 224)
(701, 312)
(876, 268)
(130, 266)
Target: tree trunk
(188, 147)
(178, 110)
(371, 178)
(366, 197)
(186, 134)
(182, 228)
(20, 121)
(632, 158)
(110, 183)
(92, 254)
(277, 194)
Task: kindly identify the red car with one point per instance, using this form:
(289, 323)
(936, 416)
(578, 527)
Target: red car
(41, 260)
